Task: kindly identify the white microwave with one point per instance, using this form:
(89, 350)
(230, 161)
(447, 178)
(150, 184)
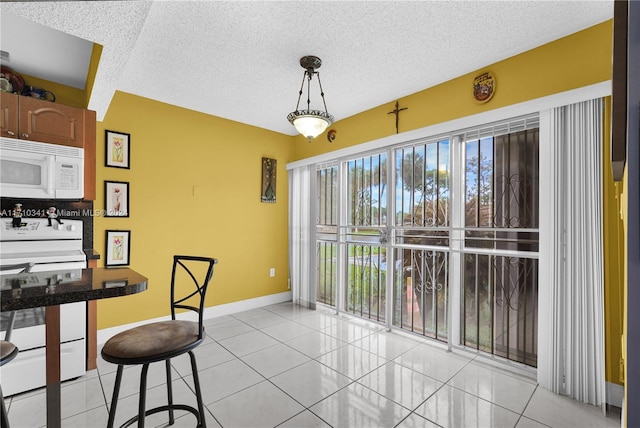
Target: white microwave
(30, 169)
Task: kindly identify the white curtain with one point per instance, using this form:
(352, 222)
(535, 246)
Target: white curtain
(300, 236)
(572, 285)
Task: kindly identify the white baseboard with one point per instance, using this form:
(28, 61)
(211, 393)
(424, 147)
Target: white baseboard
(245, 305)
(210, 312)
(615, 394)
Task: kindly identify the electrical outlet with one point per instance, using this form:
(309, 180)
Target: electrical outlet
(272, 272)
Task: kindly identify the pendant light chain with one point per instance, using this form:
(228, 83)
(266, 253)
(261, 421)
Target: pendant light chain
(321, 91)
(300, 93)
(308, 90)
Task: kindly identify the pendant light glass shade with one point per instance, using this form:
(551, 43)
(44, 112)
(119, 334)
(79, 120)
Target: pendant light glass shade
(308, 122)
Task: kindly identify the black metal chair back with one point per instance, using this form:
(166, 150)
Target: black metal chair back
(199, 290)
(163, 340)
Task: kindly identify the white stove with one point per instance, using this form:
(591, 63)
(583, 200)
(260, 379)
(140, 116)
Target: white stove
(37, 242)
(56, 249)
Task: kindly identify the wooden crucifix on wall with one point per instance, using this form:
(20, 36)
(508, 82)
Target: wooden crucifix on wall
(397, 111)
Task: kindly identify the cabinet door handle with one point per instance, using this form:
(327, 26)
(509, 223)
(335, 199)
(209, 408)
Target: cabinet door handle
(11, 133)
(25, 135)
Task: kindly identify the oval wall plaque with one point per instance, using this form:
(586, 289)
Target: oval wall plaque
(484, 86)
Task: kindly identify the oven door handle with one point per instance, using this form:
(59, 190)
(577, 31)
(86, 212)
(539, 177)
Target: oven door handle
(22, 267)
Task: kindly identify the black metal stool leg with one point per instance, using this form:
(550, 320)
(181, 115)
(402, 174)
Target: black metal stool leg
(114, 397)
(196, 383)
(143, 395)
(169, 392)
(5, 418)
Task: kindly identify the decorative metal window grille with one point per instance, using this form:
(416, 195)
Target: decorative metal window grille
(365, 236)
(499, 314)
(326, 234)
(385, 254)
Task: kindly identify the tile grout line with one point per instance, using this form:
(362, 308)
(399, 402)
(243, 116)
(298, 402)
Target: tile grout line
(296, 317)
(305, 408)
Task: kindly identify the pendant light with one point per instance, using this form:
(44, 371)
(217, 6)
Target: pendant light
(310, 123)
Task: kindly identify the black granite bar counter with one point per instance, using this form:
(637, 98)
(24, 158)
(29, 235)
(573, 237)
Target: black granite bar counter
(93, 284)
(91, 254)
(53, 288)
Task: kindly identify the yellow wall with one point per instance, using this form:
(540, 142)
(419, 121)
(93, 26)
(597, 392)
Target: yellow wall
(96, 54)
(194, 189)
(614, 250)
(65, 95)
(624, 198)
(572, 62)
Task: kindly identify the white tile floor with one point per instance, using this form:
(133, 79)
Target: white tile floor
(286, 366)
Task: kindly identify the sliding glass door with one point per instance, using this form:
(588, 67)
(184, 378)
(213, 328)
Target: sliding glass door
(438, 237)
(500, 255)
(421, 230)
(327, 234)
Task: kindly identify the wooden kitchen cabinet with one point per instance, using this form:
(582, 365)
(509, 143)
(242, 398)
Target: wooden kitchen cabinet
(9, 115)
(48, 122)
(89, 140)
(33, 119)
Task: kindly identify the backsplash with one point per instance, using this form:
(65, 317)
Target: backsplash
(74, 210)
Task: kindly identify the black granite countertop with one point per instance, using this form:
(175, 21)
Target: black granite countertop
(30, 290)
(91, 254)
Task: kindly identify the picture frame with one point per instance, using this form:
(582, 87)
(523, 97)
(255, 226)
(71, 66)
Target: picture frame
(117, 149)
(118, 246)
(268, 189)
(116, 198)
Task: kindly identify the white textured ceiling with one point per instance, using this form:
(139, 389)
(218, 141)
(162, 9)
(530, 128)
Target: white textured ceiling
(239, 59)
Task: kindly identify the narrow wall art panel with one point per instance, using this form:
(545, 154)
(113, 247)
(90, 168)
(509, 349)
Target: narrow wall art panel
(268, 192)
